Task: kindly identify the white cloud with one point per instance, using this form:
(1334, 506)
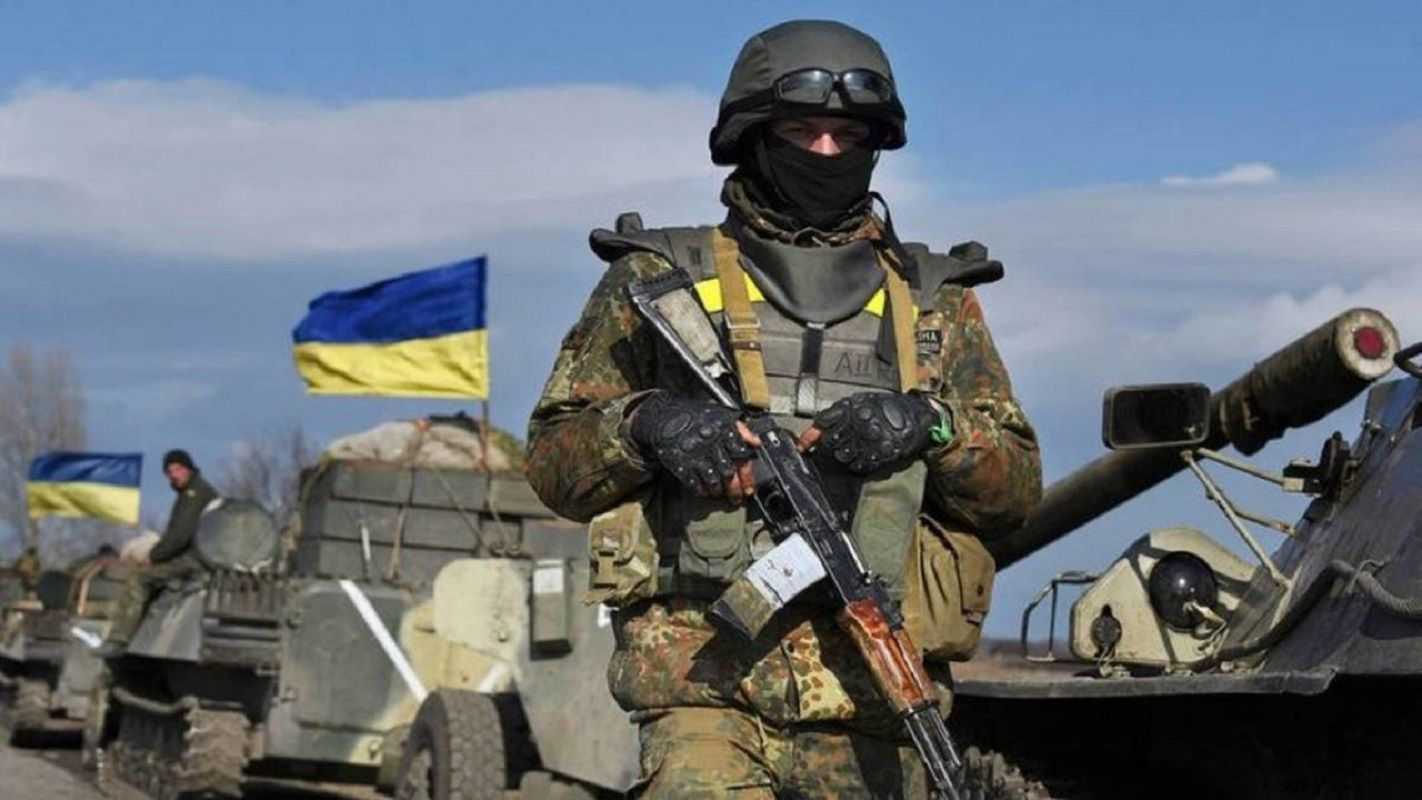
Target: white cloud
(204, 167)
(1143, 282)
(1256, 325)
(1352, 223)
(1252, 174)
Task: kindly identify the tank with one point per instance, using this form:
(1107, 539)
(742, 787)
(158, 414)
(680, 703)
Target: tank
(47, 664)
(1190, 668)
(423, 595)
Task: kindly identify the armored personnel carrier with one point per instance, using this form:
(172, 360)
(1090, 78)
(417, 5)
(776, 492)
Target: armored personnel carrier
(1190, 670)
(420, 610)
(47, 666)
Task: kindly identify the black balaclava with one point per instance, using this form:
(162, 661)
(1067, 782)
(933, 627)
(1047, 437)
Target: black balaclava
(817, 190)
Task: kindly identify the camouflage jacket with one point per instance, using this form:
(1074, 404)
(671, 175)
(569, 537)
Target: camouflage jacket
(27, 568)
(183, 520)
(985, 480)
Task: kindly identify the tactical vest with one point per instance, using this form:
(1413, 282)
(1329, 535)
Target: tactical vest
(793, 370)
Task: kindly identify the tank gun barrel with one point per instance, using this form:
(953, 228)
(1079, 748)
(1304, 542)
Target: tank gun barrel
(1299, 384)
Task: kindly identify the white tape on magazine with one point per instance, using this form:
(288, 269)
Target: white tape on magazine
(784, 572)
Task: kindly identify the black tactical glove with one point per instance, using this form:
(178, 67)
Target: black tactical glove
(870, 430)
(695, 440)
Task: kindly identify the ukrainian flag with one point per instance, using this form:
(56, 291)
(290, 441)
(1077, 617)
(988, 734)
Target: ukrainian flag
(101, 485)
(418, 335)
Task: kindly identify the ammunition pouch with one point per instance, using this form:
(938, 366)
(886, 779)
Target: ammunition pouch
(623, 554)
(947, 591)
(715, 545)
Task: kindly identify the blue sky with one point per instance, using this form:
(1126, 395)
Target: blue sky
(1032, 94)
(1176, 189)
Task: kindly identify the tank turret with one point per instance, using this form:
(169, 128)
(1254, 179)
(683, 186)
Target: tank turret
(1299, 384)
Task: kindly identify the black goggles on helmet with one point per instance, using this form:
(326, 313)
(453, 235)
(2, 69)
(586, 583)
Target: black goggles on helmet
(813, 87)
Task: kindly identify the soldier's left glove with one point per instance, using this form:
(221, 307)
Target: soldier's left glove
(870, 430)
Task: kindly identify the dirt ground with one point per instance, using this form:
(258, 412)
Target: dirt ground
(55, 774)
(42, 775)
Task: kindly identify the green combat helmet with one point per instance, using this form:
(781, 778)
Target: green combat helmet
(805, 65)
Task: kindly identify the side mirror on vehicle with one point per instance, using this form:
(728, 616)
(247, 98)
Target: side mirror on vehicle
(1155, 415)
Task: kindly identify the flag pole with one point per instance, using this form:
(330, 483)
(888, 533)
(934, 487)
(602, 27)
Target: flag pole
(485, 439)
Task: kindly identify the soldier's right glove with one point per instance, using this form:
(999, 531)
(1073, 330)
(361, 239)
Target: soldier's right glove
(695, 440)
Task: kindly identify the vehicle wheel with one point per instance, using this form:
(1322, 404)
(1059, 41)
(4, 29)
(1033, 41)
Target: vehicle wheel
(30, 711)
(455, 750)
(990, 776)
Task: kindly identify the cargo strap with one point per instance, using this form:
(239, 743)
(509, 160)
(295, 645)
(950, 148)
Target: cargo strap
(743, 327)
(607, 546)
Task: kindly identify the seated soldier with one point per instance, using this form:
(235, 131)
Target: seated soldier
(171, 556)
(28, 568)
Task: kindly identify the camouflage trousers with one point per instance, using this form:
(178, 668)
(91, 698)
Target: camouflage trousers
(138, 590)
(690, 753)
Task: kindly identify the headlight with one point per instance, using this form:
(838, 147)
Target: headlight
(1179, 585)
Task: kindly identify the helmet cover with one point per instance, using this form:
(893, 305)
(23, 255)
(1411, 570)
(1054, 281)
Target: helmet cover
(789, 47)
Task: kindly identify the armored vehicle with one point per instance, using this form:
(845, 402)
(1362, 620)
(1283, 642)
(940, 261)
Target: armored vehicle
(423, 595)
(1190, 670)
(47, 665)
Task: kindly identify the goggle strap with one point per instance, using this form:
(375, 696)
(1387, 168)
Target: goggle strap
(767, 96)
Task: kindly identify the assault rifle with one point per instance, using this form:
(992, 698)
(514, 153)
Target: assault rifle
(813, 542)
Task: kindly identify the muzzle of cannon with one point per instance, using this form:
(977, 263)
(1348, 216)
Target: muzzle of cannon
(1299, 384)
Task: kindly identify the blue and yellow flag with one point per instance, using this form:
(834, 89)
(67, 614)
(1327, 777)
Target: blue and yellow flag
(100, 485)
(418, 335)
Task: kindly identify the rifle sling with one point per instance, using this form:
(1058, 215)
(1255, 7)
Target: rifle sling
(743, 329)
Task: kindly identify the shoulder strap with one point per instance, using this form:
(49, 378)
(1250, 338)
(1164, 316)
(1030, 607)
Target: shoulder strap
(742, 326)
(686, 247)
(966, 264)
(901, 317)
(900, 284)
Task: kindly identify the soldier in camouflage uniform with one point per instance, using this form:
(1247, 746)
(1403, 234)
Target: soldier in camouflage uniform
(850, 339)
(28, 568)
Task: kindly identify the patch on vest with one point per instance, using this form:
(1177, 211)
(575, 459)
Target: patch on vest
(852, 367)
(930, 342)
